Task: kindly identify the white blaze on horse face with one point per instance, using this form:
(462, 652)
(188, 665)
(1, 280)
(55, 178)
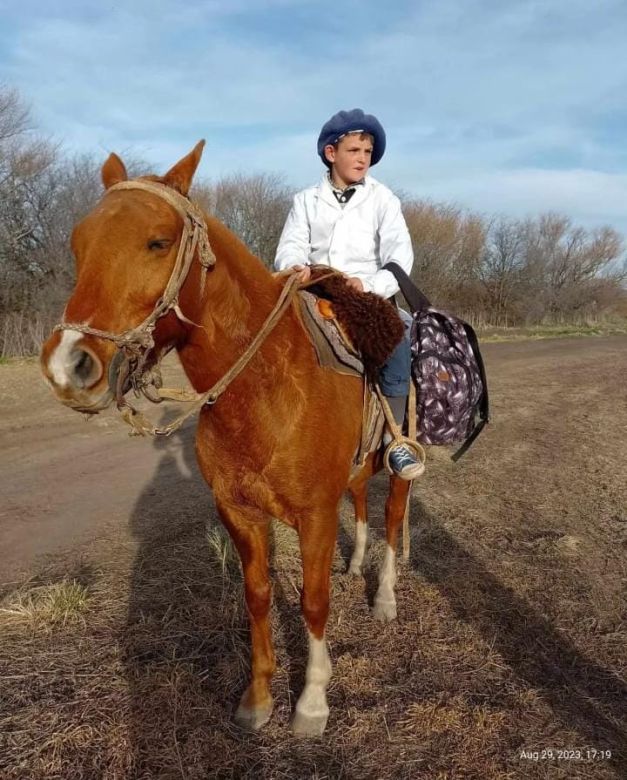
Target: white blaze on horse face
(75, 373)
(385, 600)
(62, 362)
(312, 709)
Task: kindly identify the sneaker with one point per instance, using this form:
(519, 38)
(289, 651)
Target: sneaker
(404, 463)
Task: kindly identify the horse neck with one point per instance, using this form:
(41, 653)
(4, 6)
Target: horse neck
(239, 293)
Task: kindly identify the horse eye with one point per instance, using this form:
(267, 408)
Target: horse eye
(159, 243)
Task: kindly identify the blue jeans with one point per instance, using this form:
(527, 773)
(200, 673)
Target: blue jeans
(394, 374)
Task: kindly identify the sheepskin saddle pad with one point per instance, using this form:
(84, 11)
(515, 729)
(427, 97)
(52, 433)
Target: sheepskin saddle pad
(368, 325)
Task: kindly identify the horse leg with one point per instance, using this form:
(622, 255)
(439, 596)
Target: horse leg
(359, 492)
(249, 530)
(385, 600)
(360, 501)
(317, 544)
(358, 489)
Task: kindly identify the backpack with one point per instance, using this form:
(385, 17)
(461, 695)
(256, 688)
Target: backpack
(447, 368)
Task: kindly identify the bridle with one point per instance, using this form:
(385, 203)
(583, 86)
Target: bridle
(129, 366)
(194, 237)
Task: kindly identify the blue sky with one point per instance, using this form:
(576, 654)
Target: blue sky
(500, 107)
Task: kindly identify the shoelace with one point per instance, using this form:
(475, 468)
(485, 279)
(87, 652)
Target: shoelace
(403, 457)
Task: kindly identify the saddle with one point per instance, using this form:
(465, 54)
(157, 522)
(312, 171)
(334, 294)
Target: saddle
(368, 322)
(352, 333)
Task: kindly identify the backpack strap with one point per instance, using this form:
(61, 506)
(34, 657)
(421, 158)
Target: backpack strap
(416, 299)
(468, 442)
(484, 404)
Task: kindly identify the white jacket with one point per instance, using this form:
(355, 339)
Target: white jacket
(357, 239)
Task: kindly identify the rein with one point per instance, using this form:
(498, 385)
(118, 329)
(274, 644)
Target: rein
(136, 343)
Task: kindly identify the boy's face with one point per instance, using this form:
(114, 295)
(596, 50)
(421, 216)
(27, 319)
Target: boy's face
(350, 160)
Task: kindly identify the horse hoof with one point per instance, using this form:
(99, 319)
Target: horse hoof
(385, 611)
(308, 725)
(252, 719)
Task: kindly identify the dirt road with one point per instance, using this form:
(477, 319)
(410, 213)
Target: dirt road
(65, 480)
(511, 635)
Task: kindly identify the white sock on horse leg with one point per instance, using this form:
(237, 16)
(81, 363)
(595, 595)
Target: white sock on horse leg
(385, 600)
(312, 709)
(361, 541)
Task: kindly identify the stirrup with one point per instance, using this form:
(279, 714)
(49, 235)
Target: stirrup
(411, 444)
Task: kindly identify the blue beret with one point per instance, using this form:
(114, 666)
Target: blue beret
(347, 122)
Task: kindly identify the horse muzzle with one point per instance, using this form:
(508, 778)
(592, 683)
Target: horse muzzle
(75, 373)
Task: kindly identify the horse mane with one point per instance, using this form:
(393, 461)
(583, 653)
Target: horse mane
(372, 323)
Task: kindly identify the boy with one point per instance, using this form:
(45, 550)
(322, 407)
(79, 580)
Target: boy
(351, 222)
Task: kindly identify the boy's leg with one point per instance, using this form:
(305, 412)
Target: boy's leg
(398, 405)
(394, 378)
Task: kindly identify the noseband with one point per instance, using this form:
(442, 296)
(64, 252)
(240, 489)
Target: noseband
(128, 368)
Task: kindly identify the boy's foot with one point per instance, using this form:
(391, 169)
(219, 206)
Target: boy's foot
(404, 463)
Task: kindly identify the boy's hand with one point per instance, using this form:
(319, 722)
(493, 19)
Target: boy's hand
(305, 272)
(355, 283)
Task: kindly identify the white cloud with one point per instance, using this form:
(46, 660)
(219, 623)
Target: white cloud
(491, 104)
(528, 192)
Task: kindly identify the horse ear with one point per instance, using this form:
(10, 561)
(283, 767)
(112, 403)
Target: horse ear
(180, 176)
(113, 171)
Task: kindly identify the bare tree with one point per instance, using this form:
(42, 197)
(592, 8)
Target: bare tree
(254, 207)
(24, 162)
(42, 194)
(501, 269)
(572, 265)
(14, 114)
(448, 245)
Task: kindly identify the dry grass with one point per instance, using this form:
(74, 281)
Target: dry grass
(511, 631)
(502, 334)
(45, 606)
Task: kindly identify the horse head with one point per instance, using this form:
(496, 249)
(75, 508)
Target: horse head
(126, 251)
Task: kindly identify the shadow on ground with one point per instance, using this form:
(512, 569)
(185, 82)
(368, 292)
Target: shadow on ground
(185, 644)
(586, 697)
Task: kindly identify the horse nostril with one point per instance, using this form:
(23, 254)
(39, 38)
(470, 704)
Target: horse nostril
(84, 365)
(87, 370)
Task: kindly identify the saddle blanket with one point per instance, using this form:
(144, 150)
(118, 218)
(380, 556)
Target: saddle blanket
(336, 353)
(331, 348)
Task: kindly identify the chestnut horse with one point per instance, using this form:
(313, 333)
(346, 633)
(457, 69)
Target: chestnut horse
(280, 441)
